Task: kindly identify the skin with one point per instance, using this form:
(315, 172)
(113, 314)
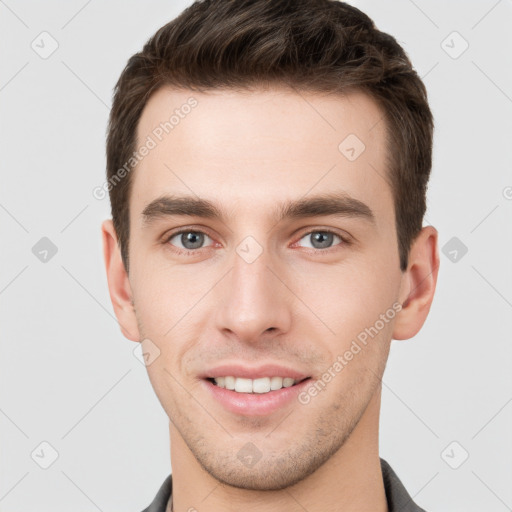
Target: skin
(247, 152)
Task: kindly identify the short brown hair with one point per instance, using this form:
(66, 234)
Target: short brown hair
(324, 46)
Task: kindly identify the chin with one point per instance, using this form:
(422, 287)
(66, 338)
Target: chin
(271, 473)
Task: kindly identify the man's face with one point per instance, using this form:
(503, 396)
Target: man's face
(250, 289)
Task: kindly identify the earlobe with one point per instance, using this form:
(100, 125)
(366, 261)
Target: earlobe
(118, 283)
(418, 284)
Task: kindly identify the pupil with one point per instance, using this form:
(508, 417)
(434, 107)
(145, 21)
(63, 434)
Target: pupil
(322, 237)
(193, 238)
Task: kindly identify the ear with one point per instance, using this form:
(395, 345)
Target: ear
(418, 284)
(118, 283)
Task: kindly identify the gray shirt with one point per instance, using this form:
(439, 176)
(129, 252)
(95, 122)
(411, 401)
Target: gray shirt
(396, 494)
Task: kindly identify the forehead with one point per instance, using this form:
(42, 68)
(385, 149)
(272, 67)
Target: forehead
(264, 145)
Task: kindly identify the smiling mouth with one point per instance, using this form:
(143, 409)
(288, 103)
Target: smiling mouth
(254, 386)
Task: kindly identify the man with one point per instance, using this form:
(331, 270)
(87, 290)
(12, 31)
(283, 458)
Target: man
(267, 167)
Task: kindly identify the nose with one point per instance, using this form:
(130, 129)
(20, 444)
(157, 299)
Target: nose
(253, 301)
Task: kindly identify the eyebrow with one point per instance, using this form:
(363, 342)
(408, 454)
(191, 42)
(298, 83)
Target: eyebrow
(329, 204)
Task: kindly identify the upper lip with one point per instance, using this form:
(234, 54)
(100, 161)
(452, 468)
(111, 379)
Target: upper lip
(253, 372)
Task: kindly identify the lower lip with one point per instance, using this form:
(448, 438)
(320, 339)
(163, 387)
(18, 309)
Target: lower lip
(255, 404)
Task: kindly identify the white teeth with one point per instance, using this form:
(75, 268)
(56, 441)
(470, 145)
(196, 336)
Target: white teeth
(243, 385)
(287, 382)
(261, 385)
(276, 383)
(229, 382)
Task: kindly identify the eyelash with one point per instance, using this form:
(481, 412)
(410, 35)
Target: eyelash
(344, 240)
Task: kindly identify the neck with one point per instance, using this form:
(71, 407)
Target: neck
(350, 481)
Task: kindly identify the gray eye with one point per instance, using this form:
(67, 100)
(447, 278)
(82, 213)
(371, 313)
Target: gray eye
(189, 240)
(320, 239)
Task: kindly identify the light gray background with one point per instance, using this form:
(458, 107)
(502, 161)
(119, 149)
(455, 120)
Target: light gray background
(68, 377)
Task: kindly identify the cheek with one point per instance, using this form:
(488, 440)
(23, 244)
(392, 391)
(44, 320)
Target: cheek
(162, 291)
(172, 306)
(154, 308)
(347, 298)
